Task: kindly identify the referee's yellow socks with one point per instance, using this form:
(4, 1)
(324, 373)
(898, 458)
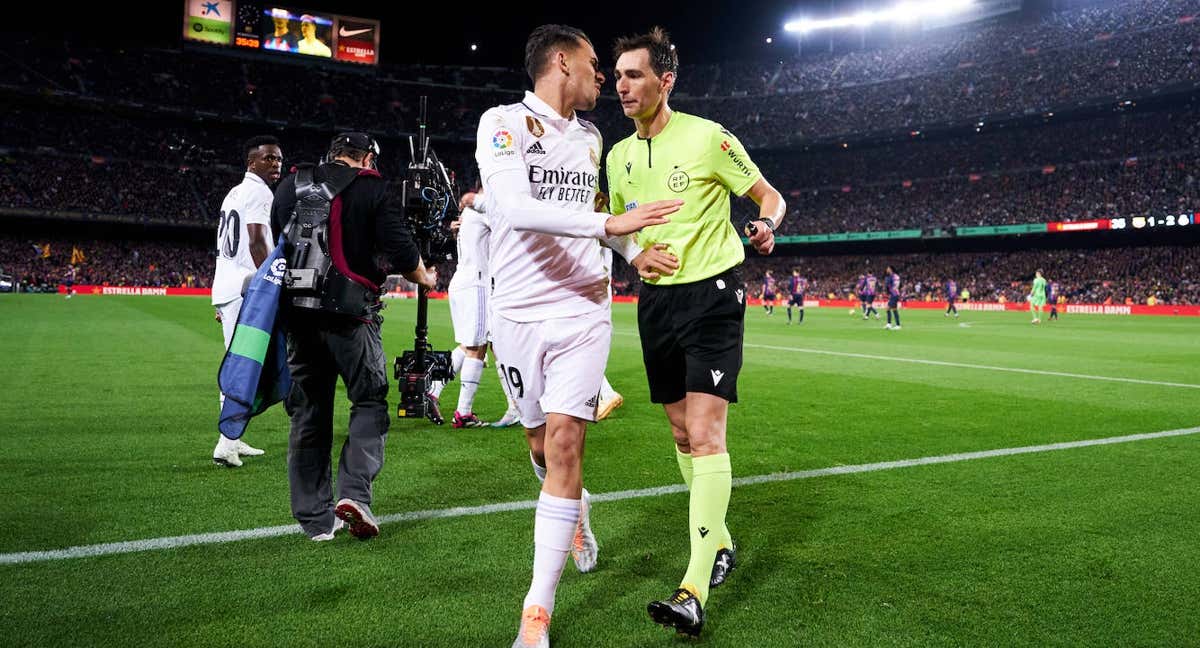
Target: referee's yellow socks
(712, 480)
(685, 466)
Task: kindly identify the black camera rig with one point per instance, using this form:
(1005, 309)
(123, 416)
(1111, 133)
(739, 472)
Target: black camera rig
(429, 198)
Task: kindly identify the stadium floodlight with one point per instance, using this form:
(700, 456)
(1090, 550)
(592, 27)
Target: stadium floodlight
(905, 12)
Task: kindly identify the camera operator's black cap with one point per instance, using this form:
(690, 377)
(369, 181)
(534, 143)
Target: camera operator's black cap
(360, 141)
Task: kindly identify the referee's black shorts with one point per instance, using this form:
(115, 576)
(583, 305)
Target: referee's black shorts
(692, 337)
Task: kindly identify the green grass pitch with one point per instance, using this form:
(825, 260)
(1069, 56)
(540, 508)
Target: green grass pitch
(108, 410)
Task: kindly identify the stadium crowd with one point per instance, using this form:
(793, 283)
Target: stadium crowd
(1094, 276)
(1122, 164)
(42, 263)
(154, 138)
(956, 76)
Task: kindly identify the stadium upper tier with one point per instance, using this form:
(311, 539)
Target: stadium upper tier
(1140, 163)
(1129, 49)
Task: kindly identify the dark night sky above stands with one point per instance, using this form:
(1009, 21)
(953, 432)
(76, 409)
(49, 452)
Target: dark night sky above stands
(439, 32)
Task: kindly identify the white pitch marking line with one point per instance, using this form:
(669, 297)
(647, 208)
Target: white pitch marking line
(962, 365)
(176, 542)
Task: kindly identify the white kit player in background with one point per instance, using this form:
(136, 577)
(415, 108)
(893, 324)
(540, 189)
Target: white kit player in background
(551, 312)
(243, 243)
(610, 399)
(468, 294)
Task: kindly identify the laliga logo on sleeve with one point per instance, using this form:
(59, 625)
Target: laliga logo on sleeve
(502, 143)
(502, 140)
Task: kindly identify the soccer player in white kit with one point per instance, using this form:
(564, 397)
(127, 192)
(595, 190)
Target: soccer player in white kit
(551, 314)
(468, 298)
(243, 243)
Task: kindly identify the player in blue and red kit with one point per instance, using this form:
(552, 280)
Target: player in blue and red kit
(798, 286)
(951, 297)
(891, 282)
(1052, 298)
(69, 281)
(870, 286)
(768, 293)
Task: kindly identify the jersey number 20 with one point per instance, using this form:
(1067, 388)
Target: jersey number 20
(229, 233)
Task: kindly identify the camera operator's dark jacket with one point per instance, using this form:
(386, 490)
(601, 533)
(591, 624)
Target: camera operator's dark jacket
(363, 219)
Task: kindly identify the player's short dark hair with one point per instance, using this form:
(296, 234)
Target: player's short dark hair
(657, 43)
(250, 145)
(546, 39)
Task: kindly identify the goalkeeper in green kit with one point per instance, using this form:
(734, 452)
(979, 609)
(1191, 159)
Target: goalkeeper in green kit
(1037, 299)
(690, 322)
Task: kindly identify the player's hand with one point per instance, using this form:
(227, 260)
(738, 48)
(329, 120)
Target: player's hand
(468, 200)
(218, 317)
(655, 262)
(641, 217)
(600, 202)
(455, 224)
(761, 237)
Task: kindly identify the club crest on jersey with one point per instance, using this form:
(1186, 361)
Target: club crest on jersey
(535, 127)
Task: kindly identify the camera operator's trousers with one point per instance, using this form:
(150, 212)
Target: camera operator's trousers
(320, 348)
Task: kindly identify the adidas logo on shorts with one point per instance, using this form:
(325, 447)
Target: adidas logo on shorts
(536, 149)
(594, 401)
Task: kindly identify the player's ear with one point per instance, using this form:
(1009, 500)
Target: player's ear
(560, 57)
(668, 81)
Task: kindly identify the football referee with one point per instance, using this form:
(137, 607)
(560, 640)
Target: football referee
(691, 323)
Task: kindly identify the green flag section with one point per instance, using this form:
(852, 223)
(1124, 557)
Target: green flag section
(250, 342)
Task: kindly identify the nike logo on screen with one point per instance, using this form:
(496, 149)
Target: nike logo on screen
(346, 33)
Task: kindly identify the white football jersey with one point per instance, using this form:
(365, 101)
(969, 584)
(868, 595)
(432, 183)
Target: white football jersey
(541, 276)
(473, 239)
(248, 202)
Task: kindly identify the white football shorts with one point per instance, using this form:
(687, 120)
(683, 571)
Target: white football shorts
(555, 365)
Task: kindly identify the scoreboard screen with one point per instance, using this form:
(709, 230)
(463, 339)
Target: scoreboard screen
(1125, 223)
(282, 28)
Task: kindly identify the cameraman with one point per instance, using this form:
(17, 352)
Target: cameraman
(363, 223)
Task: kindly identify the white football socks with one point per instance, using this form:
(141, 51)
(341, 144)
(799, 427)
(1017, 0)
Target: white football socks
(553, 531)
(456, 362)
(472, 370)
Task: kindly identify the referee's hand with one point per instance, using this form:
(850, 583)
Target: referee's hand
(761, 237)
(643, 216)
(655, 262)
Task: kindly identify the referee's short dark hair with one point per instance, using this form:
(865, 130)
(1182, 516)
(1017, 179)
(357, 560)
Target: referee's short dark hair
(657, 43)
(253, 143)
(546, 39)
